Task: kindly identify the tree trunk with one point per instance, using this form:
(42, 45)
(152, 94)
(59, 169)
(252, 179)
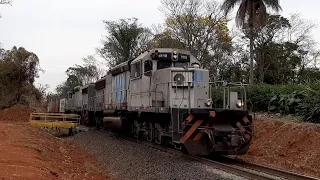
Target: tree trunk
(261, 66)
(251, 15)
(251, 55)
(261, 76)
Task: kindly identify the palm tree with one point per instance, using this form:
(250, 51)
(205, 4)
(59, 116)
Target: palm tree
(252, 13)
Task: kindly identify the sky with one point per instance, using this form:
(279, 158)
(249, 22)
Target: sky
(62, 32)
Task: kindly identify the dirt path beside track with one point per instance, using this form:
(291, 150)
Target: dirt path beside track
(27, 152)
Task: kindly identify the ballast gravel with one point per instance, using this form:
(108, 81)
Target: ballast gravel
(124, 159)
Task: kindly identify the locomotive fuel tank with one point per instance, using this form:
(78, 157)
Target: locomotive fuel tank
(112, 122)
(115, 123)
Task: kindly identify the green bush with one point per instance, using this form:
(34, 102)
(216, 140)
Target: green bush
(309, 107)
(263, 97)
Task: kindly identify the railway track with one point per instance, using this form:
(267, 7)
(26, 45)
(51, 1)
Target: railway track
(230, 165)
(264, 169)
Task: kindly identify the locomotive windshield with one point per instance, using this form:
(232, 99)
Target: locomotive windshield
(163, 64)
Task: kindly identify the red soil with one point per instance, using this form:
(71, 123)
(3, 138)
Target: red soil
(27, 152)
(16, 113)
(286, 145)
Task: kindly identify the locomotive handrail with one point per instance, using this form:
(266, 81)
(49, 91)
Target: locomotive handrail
(229, 83)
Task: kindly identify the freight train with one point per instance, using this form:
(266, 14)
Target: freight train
(166, 97)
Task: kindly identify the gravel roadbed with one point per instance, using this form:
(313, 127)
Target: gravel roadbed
(128, 160)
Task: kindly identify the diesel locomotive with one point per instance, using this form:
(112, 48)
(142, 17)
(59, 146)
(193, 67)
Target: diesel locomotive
(166, 97)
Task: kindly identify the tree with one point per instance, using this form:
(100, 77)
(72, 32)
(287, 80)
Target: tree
(5, 2)
(283, 40)
(125, 40)
(283, 58)
(196, 24)
(18, 70)
(80, 75)
(267, 42)
(63, 88)
(163, 38)
(98, 67)
(252, 14)
(200, 27)
(84, 74)
(300, 34)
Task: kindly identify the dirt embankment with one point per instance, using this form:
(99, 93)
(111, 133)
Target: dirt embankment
(16, 113)
(27, 152)
(279, 143)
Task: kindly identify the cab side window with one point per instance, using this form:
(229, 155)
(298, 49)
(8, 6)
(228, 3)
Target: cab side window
(147, 66)
(135, 70)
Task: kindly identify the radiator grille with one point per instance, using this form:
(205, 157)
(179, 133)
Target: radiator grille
(182, 78)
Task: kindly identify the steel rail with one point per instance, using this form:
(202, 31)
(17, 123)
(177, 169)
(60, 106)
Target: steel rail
(265, 169)
(230, 165)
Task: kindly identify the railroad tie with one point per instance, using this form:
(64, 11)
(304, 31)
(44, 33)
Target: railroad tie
(191, 131)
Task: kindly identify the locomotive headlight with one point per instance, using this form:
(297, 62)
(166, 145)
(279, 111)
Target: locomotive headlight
(208, 102)
(240, 103)
(175, 57)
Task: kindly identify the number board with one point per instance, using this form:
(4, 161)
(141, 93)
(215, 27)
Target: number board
(164, 56)
(184, 57)
(168, 57)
